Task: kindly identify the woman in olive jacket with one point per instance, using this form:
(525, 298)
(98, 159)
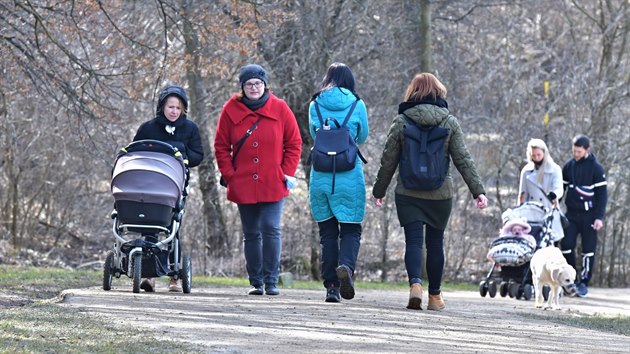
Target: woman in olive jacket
(425, 104)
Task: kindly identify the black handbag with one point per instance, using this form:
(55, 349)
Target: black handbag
(239, 145)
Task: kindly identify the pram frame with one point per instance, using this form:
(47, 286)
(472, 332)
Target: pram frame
(522, 288)
(135, 248)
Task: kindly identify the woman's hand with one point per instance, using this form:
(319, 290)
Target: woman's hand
(482, 201)
(378, 202)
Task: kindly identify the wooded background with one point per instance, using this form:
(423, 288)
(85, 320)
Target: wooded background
(78, 78)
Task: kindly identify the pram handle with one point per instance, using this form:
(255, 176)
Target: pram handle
(152, 145)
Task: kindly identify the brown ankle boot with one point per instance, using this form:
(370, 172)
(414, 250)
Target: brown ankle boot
(415, 297)
(436, 302)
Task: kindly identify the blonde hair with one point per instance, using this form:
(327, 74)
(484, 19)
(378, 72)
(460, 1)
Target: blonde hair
(539, 144)
(424, 85)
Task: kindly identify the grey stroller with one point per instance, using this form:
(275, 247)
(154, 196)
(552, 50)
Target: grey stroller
(510, 256)
(149, 188)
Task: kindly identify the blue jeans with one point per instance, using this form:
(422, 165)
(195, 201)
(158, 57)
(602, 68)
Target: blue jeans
(262, 239)
(340, 244)
(435, 255)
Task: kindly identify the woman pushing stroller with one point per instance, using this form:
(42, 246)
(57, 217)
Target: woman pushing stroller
(171, 125)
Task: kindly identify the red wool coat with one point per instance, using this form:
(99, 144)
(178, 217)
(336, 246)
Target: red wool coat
(271, 151)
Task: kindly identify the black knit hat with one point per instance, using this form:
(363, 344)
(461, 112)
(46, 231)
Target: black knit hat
(252, 71)
(581, 141)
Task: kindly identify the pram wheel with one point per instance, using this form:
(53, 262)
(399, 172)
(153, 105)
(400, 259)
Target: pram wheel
(492, 289)
(513, 289)
(186, 275)
(528, 292)
(483, 288)
(503, 289)
(137, 272)
(107, 271)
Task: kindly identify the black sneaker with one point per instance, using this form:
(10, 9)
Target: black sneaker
(272, 289)
(332, 295)
(257, 290)
(346, 287)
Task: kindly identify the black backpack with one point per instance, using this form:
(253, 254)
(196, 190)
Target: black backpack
(423, 162)
(334, 150)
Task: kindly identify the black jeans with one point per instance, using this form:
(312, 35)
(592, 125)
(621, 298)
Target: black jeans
(580, 223)
(340, 244)
(414, 236)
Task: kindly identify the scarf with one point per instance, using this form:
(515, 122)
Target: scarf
(255, 104)
(439, 101)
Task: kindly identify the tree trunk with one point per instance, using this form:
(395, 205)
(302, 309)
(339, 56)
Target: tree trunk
(218, 242)
(425, 36)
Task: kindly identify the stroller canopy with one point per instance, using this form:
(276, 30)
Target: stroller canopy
(148, 177)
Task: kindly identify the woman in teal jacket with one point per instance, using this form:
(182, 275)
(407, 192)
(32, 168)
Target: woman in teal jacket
(339, 214)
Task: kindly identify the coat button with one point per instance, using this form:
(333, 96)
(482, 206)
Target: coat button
(255, 144)
(255, 160)
(255, 176)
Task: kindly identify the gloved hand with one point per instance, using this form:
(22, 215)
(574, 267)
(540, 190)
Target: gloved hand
(290, 181)
(178, 144)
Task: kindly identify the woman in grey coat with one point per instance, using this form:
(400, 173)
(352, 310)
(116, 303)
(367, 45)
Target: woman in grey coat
(541, 181)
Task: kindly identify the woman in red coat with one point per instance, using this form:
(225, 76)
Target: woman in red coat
(258, 147)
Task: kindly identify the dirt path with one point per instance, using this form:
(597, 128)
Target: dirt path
(227, 320)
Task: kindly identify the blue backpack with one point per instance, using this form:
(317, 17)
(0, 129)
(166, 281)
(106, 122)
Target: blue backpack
(424, 161)
(334, 150)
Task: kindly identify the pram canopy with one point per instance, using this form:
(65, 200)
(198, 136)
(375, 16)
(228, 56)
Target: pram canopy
(149, 171)
(533, 212)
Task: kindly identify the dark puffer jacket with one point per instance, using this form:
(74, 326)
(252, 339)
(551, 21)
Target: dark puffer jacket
(427, 115)
(185, 136)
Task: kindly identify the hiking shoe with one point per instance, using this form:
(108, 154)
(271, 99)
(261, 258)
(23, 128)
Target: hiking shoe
(148, 285)
(174, 286)
(346, 287)
(257, 290)
(436, 302)
(272, 289)
(415, 297)
(582, 290)
(332, 294)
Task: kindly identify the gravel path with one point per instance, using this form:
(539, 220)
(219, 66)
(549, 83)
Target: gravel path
(228, 320)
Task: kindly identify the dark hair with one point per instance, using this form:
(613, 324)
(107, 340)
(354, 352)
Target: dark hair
(581, 141)
(337, 75)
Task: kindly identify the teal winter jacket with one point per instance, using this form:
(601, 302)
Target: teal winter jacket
(347, 204)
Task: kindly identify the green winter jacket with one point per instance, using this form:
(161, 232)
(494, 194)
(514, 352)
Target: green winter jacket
(427, 115)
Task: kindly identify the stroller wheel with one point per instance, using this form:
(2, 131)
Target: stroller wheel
(528, 292)
(503, 289)
(492, 289)
(513, 289)
(137, 272)
(483, 288)
(186, 275)
(107, 271)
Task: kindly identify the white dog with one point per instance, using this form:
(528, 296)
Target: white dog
(549, 266)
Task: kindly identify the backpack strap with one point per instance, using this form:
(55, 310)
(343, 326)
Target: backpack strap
(345, 121)
(319, 114)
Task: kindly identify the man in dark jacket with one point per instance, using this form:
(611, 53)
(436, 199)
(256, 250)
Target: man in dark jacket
(585, 197)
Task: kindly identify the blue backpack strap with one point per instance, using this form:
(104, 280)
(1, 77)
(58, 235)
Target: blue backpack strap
(345, 121)
(319, 114)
